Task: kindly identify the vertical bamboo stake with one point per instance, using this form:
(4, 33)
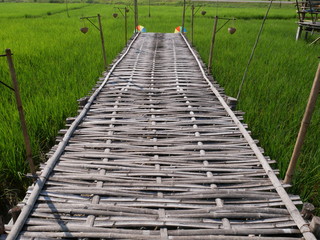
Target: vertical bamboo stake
(212, 42)
(135, 15)
(304, 125)
(183, 14)
(125, 26)
(21, 113)
(192, 18)
(149, 9)
(102, 43)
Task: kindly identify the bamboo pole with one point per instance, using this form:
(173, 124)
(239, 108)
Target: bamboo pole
(102, 43)
(183, 15)
(135, 15)
(192, 22)
(21, 112)
(304, 126)
(212, 42)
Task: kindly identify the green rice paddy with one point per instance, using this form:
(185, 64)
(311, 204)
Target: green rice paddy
(56, 65)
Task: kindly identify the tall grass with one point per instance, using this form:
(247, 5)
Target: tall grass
(57, 64)
(29, 10)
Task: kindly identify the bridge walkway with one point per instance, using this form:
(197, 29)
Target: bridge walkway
(156, 153)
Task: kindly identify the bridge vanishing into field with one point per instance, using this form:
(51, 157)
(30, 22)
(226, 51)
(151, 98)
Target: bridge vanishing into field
(157, 153)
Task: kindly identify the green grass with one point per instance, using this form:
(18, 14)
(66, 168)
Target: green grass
(56, 65)
(30, 10)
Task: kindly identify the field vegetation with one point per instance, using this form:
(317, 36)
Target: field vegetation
(56, 65)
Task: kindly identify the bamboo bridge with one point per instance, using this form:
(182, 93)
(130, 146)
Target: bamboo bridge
(157, 153)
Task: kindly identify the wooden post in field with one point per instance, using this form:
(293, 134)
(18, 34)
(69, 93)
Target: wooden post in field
(136, 23)
(212, 42)
(303, 128)
(102, 43)
(192, 18)
(21, 113)
(183, 15)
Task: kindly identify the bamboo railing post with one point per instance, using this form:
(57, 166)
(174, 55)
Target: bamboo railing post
(21, 112)
(192, 25)
(102, 43)
(212, 42)
(304, 126)
(135, 15)
(183, 15)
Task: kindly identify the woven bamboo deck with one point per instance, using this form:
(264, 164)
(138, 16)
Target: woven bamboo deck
(156, 153)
